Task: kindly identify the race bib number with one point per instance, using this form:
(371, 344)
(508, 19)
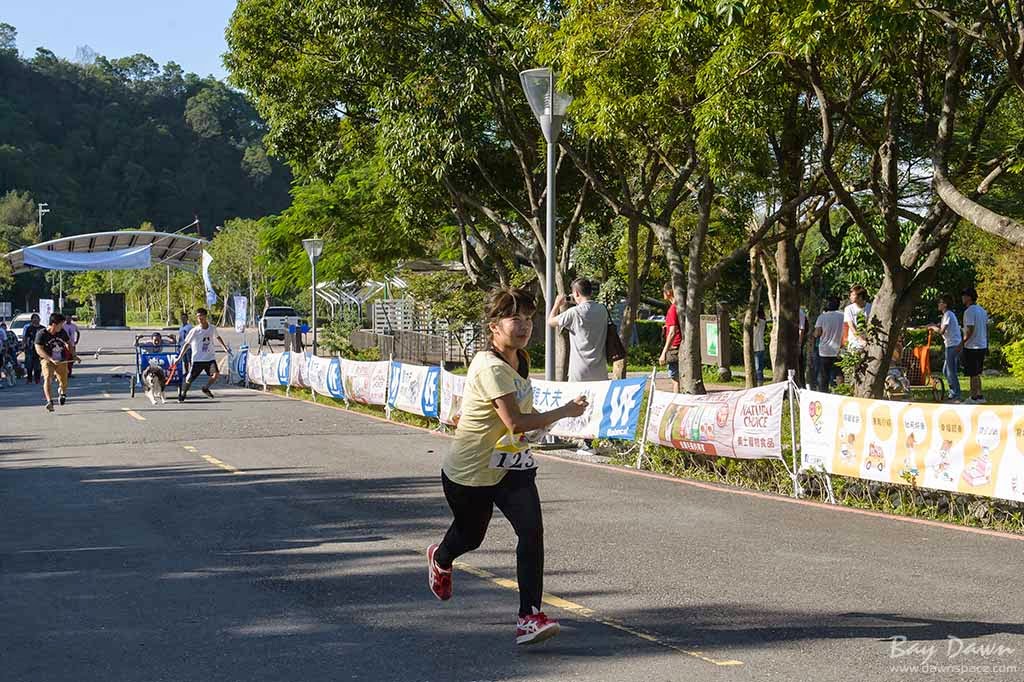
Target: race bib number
(513, 461)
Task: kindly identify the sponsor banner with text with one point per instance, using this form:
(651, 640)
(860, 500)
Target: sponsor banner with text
(453, 386)
(324, 376)
(975, 449)
(743, 424)
(613, 409)
(365, 382)
(414, 388)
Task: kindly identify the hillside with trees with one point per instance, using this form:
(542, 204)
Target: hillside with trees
(111, 143)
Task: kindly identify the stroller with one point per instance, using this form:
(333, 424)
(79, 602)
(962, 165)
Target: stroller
(164, 356)
(912, 369)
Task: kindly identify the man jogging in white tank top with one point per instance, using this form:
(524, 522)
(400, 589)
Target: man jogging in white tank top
(204, 356)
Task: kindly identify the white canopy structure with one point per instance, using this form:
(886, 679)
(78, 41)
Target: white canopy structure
(124, 250)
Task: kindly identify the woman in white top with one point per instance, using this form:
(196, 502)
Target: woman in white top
(853, 332)
(951, 337)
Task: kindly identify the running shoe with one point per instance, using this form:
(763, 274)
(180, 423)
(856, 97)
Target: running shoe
(439, 580)
(49, 406)
(207, 392)
(181, 398)
(62, 399)
(535, 628)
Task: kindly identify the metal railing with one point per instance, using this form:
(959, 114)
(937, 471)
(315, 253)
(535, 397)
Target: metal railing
(413, 346)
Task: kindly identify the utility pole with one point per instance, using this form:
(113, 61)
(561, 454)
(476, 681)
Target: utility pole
(43, 210)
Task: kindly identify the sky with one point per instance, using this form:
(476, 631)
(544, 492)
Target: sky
(189, 32)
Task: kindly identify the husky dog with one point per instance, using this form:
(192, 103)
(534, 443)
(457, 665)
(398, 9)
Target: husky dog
(154, 378)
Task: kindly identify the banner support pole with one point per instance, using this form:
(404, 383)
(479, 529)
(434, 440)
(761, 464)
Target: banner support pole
(387, 390)
(647, 419)
(795, 473)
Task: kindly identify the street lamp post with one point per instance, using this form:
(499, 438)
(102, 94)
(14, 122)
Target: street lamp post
(548, 106)
(314, 247)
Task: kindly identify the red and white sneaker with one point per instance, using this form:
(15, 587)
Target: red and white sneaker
(440, 580)
(535, 628)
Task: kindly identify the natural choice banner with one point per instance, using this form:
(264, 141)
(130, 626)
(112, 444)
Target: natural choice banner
(976, 449)
(613, 407)
(414, 388)
(365, 382)
(453, 386)
(743, 424)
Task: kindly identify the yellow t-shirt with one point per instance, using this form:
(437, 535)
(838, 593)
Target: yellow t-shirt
(480, 427)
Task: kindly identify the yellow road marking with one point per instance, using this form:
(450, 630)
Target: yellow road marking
(213, 460)
(114, 369)
(584, 612)
(223, 465)
(134, 414)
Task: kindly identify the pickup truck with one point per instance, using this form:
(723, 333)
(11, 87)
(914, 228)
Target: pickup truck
(275, 321)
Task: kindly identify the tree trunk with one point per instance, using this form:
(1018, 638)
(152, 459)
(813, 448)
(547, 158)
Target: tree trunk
(691, 376)
(749, 317)
(632, 282)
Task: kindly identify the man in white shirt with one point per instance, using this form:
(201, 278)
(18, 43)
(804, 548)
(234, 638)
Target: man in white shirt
(587, 324)
(951, 338)
(199, 341)
(828, 330)
(975, 341)
(853, 332)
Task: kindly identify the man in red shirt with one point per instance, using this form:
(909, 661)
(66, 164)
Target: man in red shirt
(673, 337)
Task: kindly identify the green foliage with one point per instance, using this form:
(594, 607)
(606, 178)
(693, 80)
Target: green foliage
(1000, 291)
(1014, 355)
(450, 298)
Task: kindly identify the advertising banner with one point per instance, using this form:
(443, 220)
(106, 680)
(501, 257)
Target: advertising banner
(45, 310)
(975, 449)
(743, 424)
(365, 382)
(414, 388)
(239, 361)
(298, 373)
(275, 369)
(241, 313)
(452, 388)
(613, 407)
(254, 369)
(324, 376)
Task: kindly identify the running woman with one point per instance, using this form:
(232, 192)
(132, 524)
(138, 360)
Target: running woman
(199, 341)
(490, 462)
(53, 347)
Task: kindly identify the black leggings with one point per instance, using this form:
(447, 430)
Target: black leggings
(517, 498)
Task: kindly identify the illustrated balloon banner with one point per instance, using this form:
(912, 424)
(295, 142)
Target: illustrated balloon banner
(613, 407)
(744, 424)
(365, 382)
(414, 388)
(453, 387)
(975, 449)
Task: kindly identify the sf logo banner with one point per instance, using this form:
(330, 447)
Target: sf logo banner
(394, 383)
(428, 401)
(334, 384)
(284, 369)
(621, 410)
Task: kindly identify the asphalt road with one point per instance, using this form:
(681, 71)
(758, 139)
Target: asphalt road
(251, 537)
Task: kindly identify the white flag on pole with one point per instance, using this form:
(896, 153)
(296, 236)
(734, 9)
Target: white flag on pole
(211, 296)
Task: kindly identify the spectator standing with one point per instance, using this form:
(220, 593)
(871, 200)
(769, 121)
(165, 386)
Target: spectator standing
(859, 305)
(183, 331)
(760, 327)
(803, 335)
(828, 333)
(33, 365)
(673, 337)
(952, 339)
(975, 342)
(587, 324)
